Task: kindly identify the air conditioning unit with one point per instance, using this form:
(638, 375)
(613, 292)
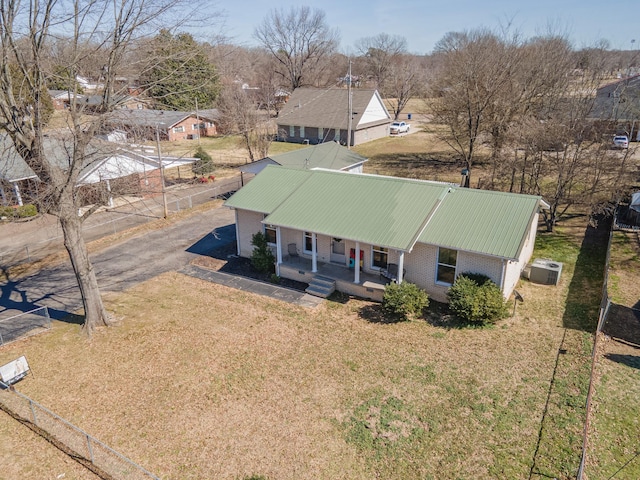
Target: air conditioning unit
(545, 271)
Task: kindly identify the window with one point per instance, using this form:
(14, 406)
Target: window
(270, 233)
(308, 243)
(337, 246)
(447, 259)
(320, 133)
(379, 256)
(179, 129)
(301, 132)
(197, 126)
(336, 137)
(292, 131)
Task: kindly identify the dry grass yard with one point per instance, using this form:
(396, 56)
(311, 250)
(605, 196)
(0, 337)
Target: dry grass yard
(615, 427)
(201, 381)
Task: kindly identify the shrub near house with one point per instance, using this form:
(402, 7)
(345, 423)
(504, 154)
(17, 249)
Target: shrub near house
(476, 299)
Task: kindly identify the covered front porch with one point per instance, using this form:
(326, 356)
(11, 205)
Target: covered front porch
(368, 286)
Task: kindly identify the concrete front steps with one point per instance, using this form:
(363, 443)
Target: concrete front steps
(321, 286)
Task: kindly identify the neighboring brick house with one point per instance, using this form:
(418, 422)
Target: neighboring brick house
(617, 104)
(319, 222)
(315, 116)
(170, 125)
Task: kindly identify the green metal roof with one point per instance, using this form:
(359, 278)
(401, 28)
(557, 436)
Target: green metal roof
(329, 155)
(389, 211)
(382, 211)
(268, 190)
(493, 223)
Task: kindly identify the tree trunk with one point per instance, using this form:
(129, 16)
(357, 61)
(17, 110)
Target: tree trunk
(95, 314)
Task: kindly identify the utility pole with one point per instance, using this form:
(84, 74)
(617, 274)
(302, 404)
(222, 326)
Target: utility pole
(350, 119)
(164, 193)
(198, 120)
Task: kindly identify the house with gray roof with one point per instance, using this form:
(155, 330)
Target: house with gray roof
(618, 103)
(330, 156)
(323, 225)
(170, 125)
(315, 115)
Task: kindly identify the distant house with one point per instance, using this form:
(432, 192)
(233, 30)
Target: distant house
(170, 125)
(107, 168)
(323, 224)
(618, 103)
(316, 116)
(330, 156)
(62, 100)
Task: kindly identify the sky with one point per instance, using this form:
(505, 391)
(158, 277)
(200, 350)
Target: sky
(424, 22)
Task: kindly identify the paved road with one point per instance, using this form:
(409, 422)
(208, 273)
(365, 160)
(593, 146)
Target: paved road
(122, 266)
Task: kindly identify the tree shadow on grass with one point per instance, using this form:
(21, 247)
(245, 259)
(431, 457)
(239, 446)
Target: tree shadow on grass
(585, 289)
(632, 361)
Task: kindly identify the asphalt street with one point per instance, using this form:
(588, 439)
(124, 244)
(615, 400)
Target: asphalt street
(121, 266)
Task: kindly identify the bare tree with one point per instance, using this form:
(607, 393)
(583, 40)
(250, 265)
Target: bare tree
(474, 69)
(406, 80)
(241, 115)
(92, 28)
(299, 40)
(378, 52)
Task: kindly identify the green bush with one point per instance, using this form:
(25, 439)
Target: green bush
(404, 300)
(476, 299)
(262, 258)
(204, 164)
(23, 211)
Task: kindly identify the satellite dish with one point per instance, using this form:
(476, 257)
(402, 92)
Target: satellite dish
(518, 297)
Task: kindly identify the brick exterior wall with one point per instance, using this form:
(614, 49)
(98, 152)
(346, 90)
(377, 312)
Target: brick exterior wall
(420, 264)
(312, 134)
(185, 131)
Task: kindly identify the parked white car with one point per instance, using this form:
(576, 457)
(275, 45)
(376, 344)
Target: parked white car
(399, 127)
(620, 141)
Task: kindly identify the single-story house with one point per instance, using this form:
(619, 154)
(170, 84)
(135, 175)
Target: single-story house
(170, 125)
(330, 156)
(15, 174)
(618, 103)
(315, 115)
(319, 222)
(108, 169)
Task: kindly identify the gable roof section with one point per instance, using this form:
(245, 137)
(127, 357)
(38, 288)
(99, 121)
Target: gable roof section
(329, 155)
(314, 107)
(12, 167)
(153, 118)
(482, 221)
(268, 190)
(391, 212)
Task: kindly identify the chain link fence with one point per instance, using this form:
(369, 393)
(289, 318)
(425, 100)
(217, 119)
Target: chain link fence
(122, 218)
(87, 450)
(23, 324)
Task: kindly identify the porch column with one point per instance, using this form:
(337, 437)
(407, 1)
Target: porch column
(16, 190)
(314, 253)
(356, 266)
(400, 266)
(110, 202)
(237, 233)
(278, 251)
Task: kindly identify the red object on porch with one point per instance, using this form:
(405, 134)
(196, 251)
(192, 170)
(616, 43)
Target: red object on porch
(352, 258)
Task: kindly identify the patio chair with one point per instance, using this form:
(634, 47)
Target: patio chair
(391, 272)
(292, 250)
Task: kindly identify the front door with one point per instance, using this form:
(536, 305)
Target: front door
(337, 251)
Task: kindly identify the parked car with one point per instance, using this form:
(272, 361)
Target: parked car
(620, 141)
(399, 127)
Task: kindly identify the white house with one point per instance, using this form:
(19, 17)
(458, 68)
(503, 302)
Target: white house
(319, 222)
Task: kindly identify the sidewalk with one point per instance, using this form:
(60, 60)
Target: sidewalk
(254, 286)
